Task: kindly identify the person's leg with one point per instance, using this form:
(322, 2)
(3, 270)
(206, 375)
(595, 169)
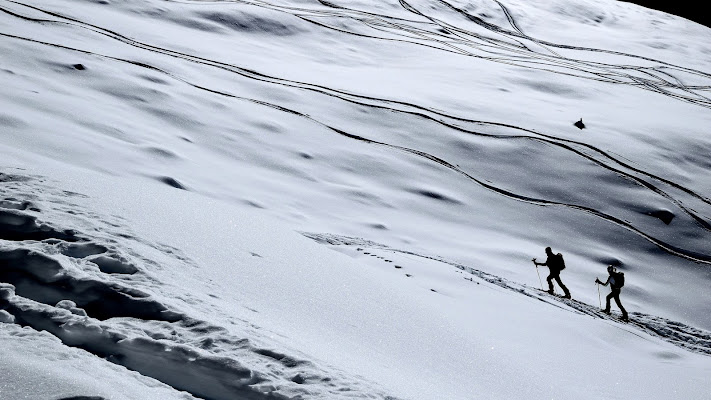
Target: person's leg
(607, 302)
(550, 283)
(562, 286)
(619, 303)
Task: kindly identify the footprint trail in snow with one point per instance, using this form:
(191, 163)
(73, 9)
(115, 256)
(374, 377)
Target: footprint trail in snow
(681, 335)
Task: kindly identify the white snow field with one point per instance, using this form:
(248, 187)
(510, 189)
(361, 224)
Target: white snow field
(341, 200)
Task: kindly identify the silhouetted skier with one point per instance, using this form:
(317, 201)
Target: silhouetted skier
(580, 125)
(555, 264)
(616, 281)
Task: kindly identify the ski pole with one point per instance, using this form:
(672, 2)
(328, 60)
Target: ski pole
(599, 299)
(539, 274)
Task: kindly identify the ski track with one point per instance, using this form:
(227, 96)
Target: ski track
(686, 200)
(52, 278)
(684, 336)
(94, 293)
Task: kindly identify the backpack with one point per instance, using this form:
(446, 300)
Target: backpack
(561, 262)
(619, 279)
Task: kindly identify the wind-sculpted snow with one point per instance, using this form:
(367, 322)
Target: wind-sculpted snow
(432, 126)
(91, 297)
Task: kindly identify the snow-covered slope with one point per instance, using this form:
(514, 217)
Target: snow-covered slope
(222, 304)
(341, 199)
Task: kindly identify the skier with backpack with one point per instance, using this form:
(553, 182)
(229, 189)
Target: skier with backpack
(616, 281)
(555, 264)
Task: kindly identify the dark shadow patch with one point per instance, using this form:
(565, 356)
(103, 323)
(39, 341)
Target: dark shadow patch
(9, 121)
(109, 265)
(552, 87)
(79, 67)
(436, 196)
(245, 22)
(13, 178)
(154, 79)
(17, 226)
(665, 216)
(285, 360)
(43, 279)
(171, 182)
(83, 398)
(667, 355)
(254, 204)
(81, 250)
(605, 261)
(195, 23)
(161, 153)
(12, 204)
(205, 377)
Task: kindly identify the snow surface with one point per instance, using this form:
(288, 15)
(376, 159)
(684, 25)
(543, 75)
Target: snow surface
(251, 200)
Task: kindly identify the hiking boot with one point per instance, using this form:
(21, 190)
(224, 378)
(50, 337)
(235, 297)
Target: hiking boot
(567, 296)
(606, 312)
(625, 318)
(550, 292)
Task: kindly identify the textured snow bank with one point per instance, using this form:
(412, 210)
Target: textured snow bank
(258, 310)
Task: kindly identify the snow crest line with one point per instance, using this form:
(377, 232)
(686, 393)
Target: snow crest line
(684, 336)
(93, 295)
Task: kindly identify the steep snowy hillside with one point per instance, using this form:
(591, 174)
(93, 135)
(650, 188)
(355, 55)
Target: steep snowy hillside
(312, 199)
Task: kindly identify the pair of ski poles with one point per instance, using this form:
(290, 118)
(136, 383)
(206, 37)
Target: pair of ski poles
(599, 299)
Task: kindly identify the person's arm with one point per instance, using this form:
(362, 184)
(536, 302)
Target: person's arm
(603, 284)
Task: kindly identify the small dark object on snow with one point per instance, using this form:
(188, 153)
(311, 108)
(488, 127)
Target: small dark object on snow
(580, 124)
(80, 67)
